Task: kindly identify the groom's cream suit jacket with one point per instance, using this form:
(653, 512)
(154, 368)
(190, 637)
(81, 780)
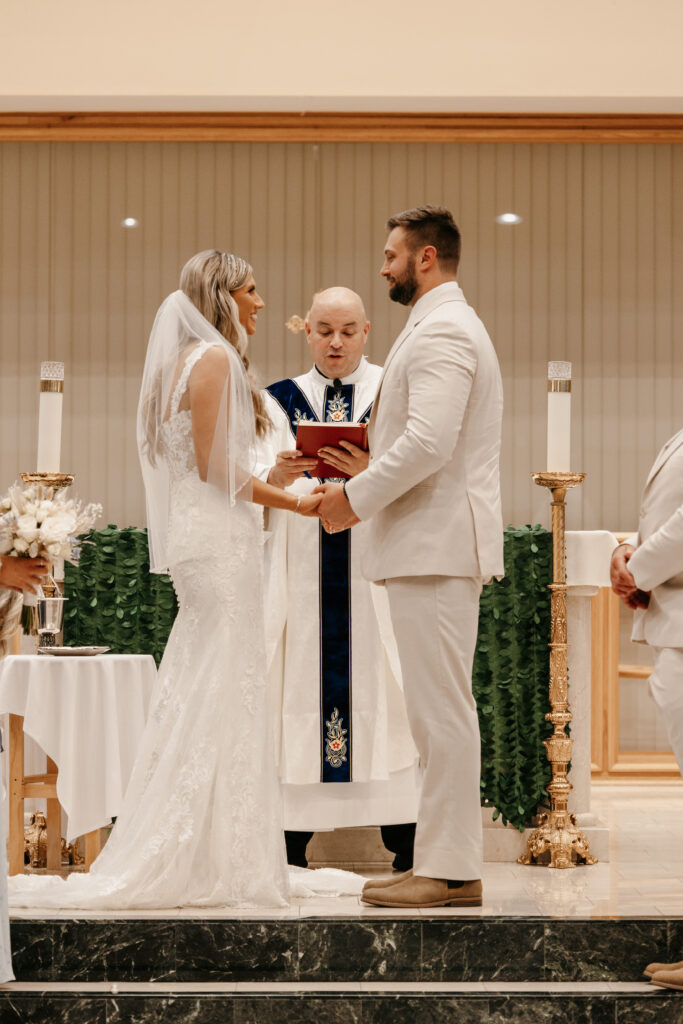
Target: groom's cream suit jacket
(657, 562)
(431, 492)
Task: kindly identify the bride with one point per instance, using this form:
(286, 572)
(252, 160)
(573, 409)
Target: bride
(201, 819)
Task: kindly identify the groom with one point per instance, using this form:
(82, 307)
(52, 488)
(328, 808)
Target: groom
(432, 495)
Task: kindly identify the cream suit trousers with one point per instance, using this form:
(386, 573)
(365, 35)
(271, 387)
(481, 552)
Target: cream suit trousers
(666, 686)
(435, 620)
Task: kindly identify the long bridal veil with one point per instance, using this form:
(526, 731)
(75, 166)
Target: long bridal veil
(227, 424)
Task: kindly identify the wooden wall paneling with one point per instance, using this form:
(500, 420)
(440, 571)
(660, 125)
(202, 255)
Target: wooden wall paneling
(306, 225)
(137, 323)
(187, 203)
(118, 435)
(275, 253)
(676, 270)
(25, 296)
(567, 236)
(384, 314)
(592, 364)
(665, 285)
(368, 236)
(507, 278)
(262, 228)
(621, 358)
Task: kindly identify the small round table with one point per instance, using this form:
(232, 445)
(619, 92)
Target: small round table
(88, 715)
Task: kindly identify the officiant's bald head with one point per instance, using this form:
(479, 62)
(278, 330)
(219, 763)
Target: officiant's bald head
(337, 330)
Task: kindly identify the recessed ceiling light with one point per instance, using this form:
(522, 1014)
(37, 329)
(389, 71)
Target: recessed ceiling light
(129, 222)
(508, 218)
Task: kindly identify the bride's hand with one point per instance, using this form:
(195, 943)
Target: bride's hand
(308, 506)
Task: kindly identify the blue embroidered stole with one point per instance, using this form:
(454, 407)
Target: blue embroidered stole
(336, 742)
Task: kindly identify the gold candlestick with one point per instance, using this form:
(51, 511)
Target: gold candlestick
(557, 842)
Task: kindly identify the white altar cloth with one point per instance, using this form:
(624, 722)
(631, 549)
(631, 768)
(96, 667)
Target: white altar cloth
(88, 715)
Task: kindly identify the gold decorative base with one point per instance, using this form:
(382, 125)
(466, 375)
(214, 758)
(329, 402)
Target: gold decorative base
(557, 843)
(35, 845)
(58, 481)
(555, 480)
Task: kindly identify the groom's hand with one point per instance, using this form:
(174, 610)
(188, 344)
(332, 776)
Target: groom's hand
(334, 509)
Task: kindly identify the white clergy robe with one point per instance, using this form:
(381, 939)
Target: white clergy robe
(345, 751)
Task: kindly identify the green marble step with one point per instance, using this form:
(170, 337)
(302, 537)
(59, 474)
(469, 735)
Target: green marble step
(341, 949)
(360, 1003)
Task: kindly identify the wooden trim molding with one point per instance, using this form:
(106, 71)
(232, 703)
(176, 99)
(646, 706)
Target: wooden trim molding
(307, 126)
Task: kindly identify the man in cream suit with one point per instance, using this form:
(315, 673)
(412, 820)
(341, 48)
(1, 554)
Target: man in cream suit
(647, 573)
(435, 534)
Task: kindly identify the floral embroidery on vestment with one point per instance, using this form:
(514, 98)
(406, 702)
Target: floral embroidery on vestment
(337, 409)
(335, 743)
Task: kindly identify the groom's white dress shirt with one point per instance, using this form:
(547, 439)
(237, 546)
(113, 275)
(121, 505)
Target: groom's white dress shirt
(434, 532)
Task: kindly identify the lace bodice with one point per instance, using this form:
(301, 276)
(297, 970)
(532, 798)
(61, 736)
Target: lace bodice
(177, 446)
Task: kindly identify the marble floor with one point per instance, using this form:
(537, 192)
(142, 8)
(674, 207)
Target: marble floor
(644, 876)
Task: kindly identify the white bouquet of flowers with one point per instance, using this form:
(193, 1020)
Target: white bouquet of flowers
(36, 521)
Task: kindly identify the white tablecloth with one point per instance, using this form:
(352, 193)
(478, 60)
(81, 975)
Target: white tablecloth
(88, 715)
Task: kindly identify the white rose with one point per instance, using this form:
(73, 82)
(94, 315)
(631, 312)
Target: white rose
(27, 528)
(20, 545)
(33, 549)
(57, 550)
(55, 529)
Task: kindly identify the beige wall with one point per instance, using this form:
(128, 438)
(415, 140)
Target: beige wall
(590, 54)
(591, 275)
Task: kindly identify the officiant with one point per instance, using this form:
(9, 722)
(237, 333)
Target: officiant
(346, 756)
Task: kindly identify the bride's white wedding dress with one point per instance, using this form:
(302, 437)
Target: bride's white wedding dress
(201, 820)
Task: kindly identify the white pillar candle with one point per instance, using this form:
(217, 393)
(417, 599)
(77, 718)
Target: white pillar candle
(559, 416)
(50, 417)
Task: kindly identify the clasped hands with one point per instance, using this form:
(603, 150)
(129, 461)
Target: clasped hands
(622, 579)
(328, 500)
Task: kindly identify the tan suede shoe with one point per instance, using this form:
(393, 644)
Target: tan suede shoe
(384, 883)
(669, 979)
(655, 968)
(418, 891)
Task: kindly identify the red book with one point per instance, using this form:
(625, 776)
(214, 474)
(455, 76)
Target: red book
(312, 436)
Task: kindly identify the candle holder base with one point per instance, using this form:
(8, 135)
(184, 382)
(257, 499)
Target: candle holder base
(58, 481)
(557, 479)
(557, 842)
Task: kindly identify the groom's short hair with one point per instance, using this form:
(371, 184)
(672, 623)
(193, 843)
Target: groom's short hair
(431, 225)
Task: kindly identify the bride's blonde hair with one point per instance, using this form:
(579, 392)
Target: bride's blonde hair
(207, 279)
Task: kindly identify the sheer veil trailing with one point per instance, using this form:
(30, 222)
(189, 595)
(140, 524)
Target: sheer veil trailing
(226, 425)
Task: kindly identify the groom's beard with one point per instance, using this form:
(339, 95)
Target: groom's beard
(403, 289)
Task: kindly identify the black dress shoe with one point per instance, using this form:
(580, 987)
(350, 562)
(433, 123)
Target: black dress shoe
(296, 843)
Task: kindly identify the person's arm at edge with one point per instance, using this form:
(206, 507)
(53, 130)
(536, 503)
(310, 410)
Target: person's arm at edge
(660, 557)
